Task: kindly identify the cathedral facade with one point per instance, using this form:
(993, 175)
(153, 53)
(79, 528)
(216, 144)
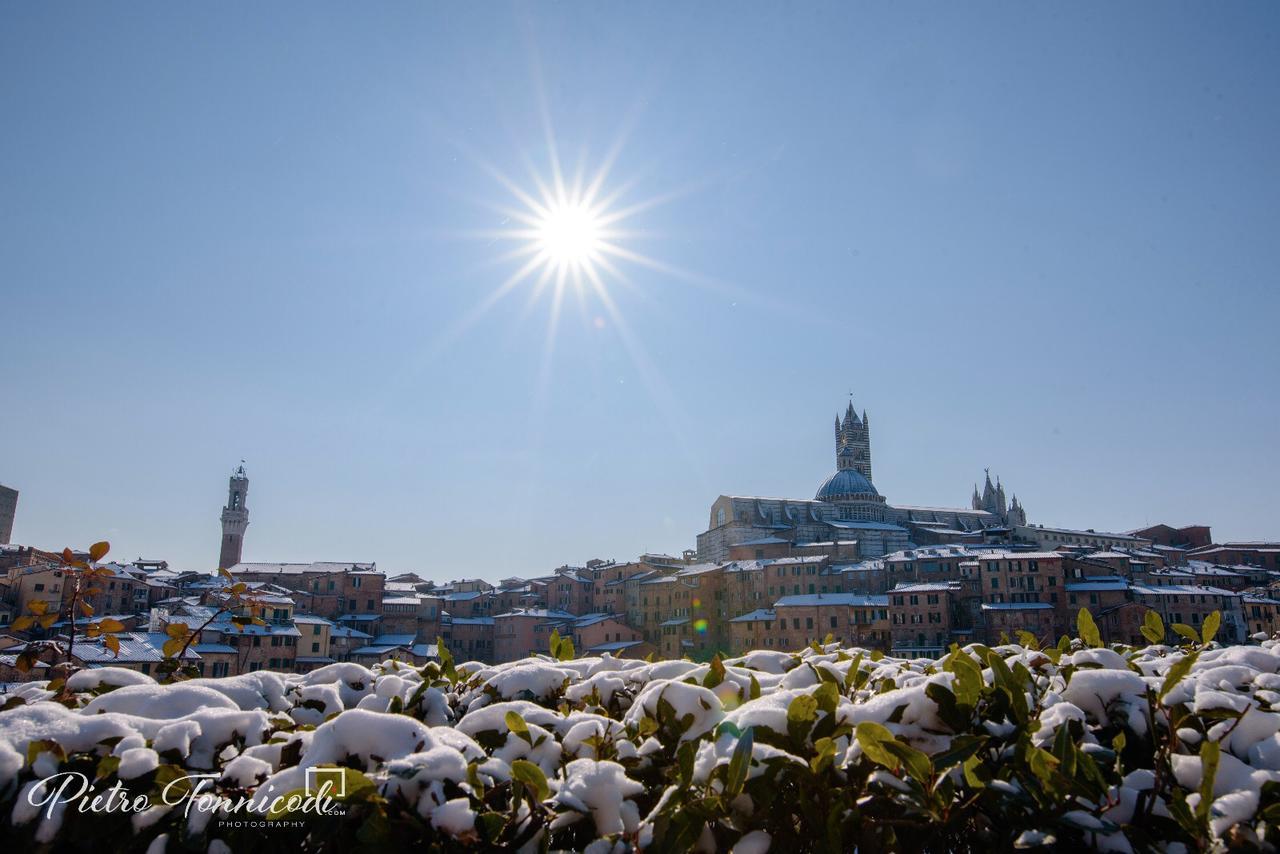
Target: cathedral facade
(848, 507)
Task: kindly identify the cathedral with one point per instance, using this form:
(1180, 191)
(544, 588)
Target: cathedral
(848, 507)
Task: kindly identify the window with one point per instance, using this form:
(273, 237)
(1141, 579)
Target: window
(835, 623)
(315, 647)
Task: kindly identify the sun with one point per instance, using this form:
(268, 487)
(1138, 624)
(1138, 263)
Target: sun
(570, 234)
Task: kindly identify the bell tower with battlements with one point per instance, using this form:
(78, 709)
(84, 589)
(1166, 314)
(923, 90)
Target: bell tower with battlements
(235, 518)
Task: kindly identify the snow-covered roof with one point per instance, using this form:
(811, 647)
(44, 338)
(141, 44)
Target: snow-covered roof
(614, 646)
(539, 613)
(134, 646)
(927, 587)
(1180, 590)
(850, 525)
(394, 640)
(1016, 606)
(206, 648)
(1096, 585)
(471, 621)
(854, 599)
(348, 632)
(226, 627)
(799, 559)
(322, 566)
(756, 616)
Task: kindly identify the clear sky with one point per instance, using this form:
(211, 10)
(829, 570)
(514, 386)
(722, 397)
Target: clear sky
(1037, 237)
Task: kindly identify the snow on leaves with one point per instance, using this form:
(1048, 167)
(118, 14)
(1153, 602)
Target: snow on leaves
(1111, 748)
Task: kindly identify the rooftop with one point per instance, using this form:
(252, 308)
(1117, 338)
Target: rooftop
(854, 599)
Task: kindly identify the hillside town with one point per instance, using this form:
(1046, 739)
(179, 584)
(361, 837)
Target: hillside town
(768, 573)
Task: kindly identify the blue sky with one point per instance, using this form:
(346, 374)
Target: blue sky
(1036, 238)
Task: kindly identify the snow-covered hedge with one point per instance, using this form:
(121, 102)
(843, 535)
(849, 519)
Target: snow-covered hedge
(1155, 748)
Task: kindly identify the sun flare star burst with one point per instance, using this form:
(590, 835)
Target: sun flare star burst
(570, 234)
(570, 238)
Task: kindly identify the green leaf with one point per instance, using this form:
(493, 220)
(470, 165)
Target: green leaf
(739, 764)
(491, 824)
(917, 763)
(1210, 753)
(851, 675)
(1210, 628)
(803, 709)
(801, 714)
(1187, 632)
(516, 723)
(1042, 763)
(532, 777)
(715, 673)
(1087, 628)
(974, 772)
(107, 766)
(447, 668)
(45, 745)
(686, 753)
(1153, 627)
(960, 750)
(825, 754)
(1028, 640)
(968, 683)
(555, 644)
(871, 738)
(1177, 673)
(827, 696)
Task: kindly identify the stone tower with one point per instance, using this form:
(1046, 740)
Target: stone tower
(993, 501)
(235, 518)
(853, 442)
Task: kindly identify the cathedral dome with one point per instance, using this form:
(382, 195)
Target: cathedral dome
(845, 483)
